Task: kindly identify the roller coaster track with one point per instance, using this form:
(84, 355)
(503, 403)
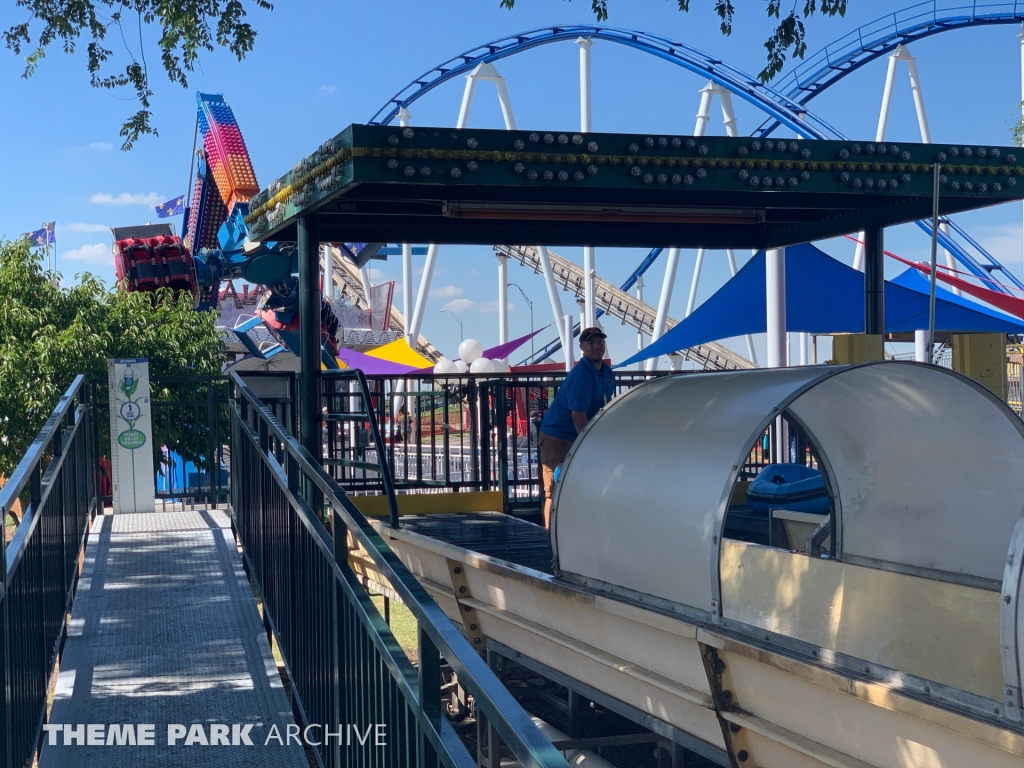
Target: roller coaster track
(622, 305)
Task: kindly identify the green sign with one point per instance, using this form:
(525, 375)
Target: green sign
(131, 439)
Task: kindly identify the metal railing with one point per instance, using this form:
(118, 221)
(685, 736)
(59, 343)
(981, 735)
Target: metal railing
(444, 433)
(41, 566)
(343, 661)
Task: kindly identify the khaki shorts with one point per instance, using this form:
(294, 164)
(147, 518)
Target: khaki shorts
(553, 450)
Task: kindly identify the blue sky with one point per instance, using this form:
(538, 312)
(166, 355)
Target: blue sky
(319, 66)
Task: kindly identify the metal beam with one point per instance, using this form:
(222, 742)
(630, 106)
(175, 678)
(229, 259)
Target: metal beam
(309, 334)
(874, 282)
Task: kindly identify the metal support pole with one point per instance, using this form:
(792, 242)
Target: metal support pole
(671, 265)
(309, 331)
(1021, 36)
(502, 298)
(749, 339)
(692, 300)
(407, 308)
(936, 173)
(921, 346)
(775, 280)
(639, 333)
(364, 278)
(556, 302)
(585, 101)
(728, 115)
(421, 297)
(567, 334)
(467, 100)
(874, 282)
(704, 110)
(329, 291)
(589, 282)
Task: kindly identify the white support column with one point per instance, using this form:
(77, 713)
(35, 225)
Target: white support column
(803, 337)
(728, 115)
(329, 291)
(921, 346)
(566, 323)
(691, 301)
(556, 302)
(704, 110)
(586, 113)
(407, 307)
(502, 298)
(1022, 79)
(421, 297)
(586, 125)
(467, 100)
(364, 277)
(671, 265)
(775, 279)
(486, 71)
(749, 339)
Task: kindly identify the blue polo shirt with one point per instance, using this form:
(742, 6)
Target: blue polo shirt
(586, 388)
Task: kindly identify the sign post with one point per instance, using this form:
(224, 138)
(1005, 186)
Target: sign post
(131, 436)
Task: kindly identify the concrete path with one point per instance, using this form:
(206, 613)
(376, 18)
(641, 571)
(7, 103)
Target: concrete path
(165, 632)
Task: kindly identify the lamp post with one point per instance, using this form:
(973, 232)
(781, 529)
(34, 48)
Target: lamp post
(461, 336)
(527, 299)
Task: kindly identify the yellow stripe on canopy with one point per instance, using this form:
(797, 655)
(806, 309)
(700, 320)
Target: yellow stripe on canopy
(399, 351)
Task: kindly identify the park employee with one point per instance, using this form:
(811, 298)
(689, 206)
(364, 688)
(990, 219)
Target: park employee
(589, 386)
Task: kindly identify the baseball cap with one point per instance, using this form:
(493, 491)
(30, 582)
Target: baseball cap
(589, 333)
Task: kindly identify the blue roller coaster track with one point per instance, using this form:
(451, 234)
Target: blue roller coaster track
(784, 103)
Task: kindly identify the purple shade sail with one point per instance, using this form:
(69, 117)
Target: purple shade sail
(371, 365)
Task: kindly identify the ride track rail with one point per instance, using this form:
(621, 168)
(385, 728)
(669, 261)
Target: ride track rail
(784, 103)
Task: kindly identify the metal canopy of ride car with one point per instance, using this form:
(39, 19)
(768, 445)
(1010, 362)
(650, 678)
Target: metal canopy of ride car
(386, 183)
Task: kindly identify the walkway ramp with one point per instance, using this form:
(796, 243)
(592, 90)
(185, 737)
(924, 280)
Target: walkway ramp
(164, 630)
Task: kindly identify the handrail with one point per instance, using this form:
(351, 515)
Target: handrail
(387, 479)
(40, 566)
(504, 713)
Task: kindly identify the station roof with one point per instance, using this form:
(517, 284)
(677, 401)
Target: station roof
(444, 185)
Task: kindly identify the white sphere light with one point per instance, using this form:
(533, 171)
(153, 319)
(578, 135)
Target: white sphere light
(444, 366)
(460, 366)
(481, 365)
(470, 350)
(501, 366)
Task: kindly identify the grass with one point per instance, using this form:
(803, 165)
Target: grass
(403, 625)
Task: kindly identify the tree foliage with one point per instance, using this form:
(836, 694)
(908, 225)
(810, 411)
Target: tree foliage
(49, 334)
(789, 34)
(186, 28)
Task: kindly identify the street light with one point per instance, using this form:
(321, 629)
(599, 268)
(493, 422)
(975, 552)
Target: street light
(527, 298)
(461, 337)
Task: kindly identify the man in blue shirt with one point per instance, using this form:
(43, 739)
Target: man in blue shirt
(588, 387)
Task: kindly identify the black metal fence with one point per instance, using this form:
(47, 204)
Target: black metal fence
(41, 566)
(344, 664)
(469, 432)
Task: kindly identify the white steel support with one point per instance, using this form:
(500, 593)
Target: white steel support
(328, 271)
(704, 110)
(728, 115)
(1022, 80)
(556, 302)
(421, 297)
(671, 265)
(364, 277)
(691, 301)
(407, 308)
(566, 323)
(502, 298)
(586, 113)
(707, 94)
(921, 346)
(586, 125)
(467, 101)
(750, 339)
(775, 279)
(804, 338)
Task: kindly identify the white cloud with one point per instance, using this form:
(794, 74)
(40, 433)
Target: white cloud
(328, 89)
(377, 276)
(448, 292)
(458, 305)
(100, 145)
(97, 253)
(81, 227)
(491, 307)
(125, 198)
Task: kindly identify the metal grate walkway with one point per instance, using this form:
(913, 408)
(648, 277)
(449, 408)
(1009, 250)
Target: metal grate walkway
(164, 630)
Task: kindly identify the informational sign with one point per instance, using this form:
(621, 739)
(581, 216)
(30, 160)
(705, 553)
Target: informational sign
(131, 436)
